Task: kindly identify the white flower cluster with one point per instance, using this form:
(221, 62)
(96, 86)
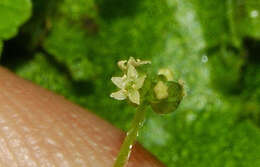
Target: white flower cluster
(130, 82)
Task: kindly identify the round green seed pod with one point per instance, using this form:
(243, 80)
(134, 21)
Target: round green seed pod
(167, 96)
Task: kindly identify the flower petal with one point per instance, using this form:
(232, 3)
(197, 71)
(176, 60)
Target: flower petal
(134, 96)
(131, 73)
(120, 82)
(136, 62)
(119, 95)
(140, 81)
(131, 61)
(139, 62)
(122, 65)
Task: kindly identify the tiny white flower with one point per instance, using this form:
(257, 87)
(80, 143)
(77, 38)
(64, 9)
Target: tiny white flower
(130, 82)
(137, 62)
(124, 64)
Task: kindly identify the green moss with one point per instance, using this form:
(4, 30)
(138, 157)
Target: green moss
(247, 17)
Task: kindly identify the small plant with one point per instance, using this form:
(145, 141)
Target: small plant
(143, 90)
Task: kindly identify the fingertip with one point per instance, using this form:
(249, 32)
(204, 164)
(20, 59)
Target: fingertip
(40, 128)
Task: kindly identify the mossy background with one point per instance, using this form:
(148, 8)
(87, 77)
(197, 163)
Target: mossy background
(72, 46)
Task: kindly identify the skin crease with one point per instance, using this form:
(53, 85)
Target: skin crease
(41, 129)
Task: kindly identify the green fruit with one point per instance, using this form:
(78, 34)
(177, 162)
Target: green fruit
(170, 103)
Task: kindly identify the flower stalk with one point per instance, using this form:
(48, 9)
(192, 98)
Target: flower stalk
(131, 136)
(158, 91)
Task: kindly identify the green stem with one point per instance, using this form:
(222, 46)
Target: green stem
(130, 138)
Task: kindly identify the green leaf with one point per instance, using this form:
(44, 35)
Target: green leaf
(13, 13)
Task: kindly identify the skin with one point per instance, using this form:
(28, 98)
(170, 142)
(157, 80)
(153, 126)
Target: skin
(41, 129)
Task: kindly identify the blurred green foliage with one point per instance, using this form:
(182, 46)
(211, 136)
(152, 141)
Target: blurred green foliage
(12, 15)
(71, 47)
